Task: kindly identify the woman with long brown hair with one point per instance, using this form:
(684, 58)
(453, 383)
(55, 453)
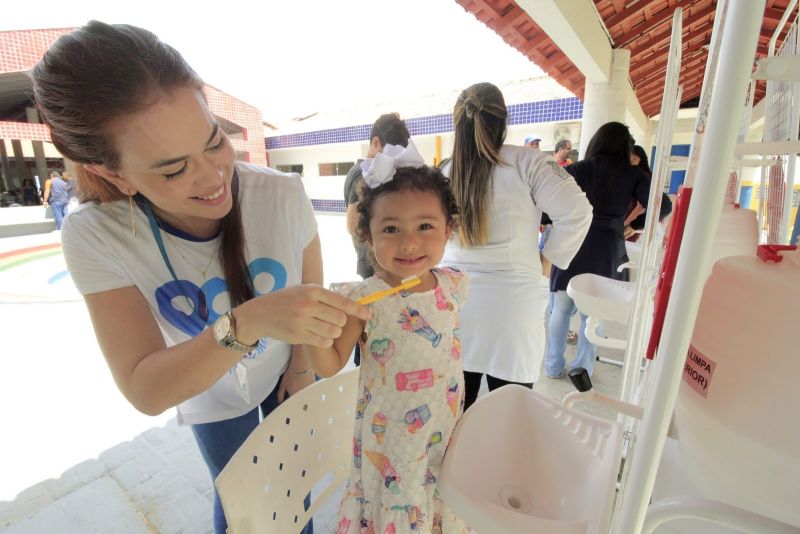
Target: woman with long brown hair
(201, 274)
(501, 191)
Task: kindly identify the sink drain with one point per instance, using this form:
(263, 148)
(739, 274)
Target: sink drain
(515, 499)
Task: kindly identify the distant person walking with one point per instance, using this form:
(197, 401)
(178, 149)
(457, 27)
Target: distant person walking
(56, 195)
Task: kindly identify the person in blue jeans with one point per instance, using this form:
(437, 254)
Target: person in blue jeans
(57, 194)
(173, 237)
(562, 308)
(610, 183)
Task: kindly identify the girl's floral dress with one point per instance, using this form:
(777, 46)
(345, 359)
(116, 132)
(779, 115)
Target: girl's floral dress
(411, 391)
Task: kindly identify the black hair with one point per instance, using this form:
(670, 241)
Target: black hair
(644, 164)
(93, 76)
(390, 130)
(610, 149)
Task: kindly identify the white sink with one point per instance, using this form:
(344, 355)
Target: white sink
(521, 462)
(601, 297)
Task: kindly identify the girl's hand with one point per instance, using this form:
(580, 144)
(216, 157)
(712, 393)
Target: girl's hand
(292, 382)
(628, 232)
(304, 314)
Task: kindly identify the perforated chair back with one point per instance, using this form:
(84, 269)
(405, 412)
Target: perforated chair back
(305, 440)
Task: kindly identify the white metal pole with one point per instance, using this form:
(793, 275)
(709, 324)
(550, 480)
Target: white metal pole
(742, 25)
(762, 204)
(762, 186)
(706, 91)
(794, 129)
(748, 111)
(632, 361)
(773, 41)
(787, 198)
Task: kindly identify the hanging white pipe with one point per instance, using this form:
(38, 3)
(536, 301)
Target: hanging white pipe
(762, 193)
(794, 129)
(737, 49)
(670, 102)
(762, 204)
(705, 91)
(779, 28)
(748, 111)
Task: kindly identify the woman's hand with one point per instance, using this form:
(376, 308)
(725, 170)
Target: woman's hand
(635, 211)
(305, 314)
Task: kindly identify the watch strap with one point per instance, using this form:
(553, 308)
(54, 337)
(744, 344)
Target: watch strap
(230, 341)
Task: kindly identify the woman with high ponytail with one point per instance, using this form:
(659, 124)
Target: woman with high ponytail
(201, 274)
(501, 191)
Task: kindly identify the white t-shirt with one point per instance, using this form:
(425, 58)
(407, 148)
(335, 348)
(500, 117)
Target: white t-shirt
(102, 254)
(502, 323)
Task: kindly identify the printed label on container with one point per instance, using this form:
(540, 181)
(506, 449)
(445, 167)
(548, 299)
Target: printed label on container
(698, 371)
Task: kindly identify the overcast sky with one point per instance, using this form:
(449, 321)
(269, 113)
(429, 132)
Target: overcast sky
(295, 57)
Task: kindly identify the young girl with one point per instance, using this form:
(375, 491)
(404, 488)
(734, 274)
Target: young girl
(411, 385)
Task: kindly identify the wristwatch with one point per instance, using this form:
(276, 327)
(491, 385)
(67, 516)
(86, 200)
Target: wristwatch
(225, 333)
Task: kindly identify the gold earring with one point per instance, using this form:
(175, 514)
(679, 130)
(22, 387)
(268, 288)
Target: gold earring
(133, 217)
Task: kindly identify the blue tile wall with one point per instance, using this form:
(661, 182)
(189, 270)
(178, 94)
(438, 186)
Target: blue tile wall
(330, 205)
(561, 109)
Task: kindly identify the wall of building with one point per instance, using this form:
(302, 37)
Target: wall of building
(331, 187)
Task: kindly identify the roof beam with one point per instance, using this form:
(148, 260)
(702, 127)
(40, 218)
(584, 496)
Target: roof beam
(662, 38)
(689, 69)
(621, 16)
(576, 29)
(665, 15)
(689, 55)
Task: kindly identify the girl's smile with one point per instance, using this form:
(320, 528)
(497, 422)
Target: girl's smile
(408, 232)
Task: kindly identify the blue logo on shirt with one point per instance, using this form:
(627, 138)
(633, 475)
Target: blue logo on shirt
(192, 323)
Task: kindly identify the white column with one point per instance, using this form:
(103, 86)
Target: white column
(19, 162)
(604, 102)
(38, 147)
(5, 169)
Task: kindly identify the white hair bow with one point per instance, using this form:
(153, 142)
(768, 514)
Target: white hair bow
(380, 169)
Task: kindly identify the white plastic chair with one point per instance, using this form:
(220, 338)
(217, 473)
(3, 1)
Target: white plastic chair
(305, 440)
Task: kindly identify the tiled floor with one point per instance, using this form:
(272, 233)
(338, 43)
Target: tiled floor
(76, 457)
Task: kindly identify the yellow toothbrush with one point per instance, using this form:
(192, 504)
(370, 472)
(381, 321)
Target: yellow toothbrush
(405, 283)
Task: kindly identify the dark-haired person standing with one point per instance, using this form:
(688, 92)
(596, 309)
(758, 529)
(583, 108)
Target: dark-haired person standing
(388, 129)
(611, 183)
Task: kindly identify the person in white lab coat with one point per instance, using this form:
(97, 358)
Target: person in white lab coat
(501, 191)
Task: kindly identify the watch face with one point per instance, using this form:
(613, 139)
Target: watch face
(221, 327)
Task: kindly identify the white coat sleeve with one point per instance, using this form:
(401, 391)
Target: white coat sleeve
(555, 192)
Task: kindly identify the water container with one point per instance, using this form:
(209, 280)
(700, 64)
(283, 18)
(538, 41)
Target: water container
(738, 406)
(737, 233)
